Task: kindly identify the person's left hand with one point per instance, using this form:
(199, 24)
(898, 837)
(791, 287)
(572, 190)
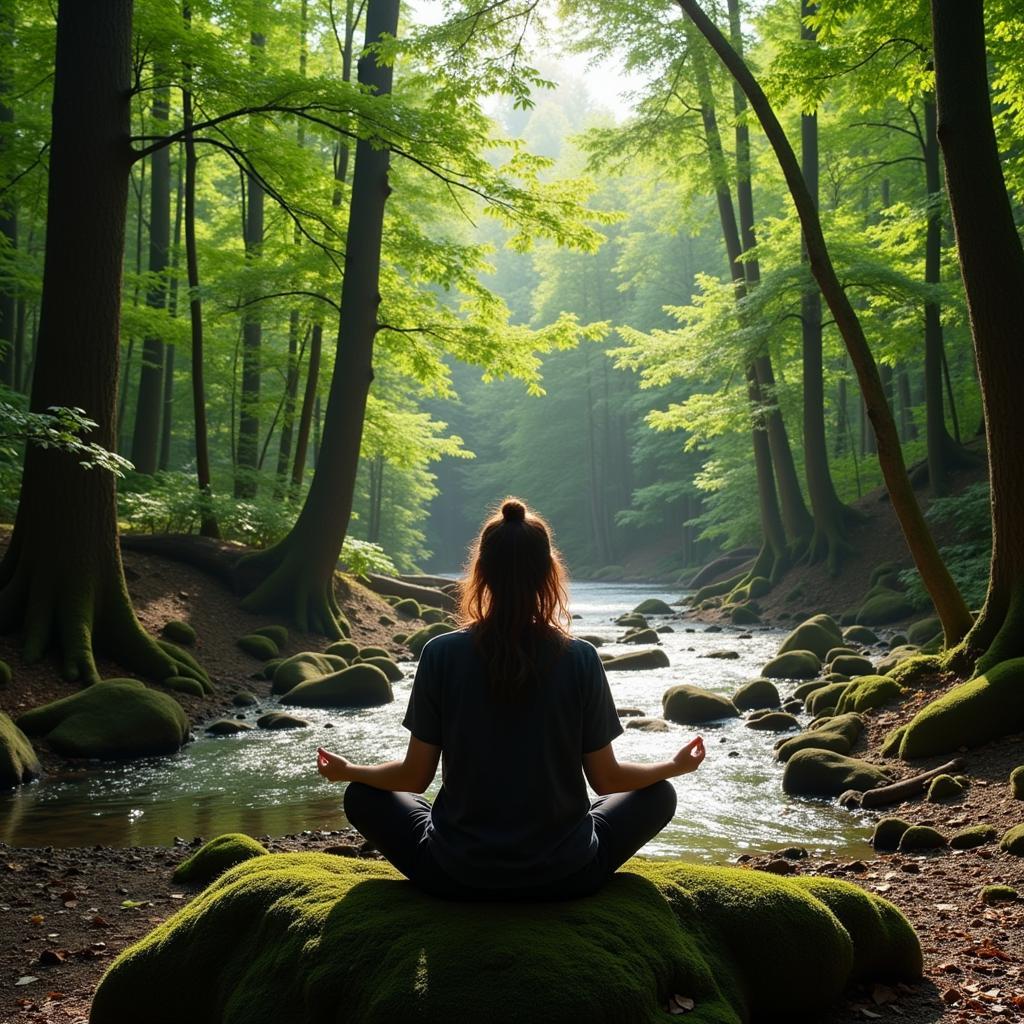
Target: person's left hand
(331, 766)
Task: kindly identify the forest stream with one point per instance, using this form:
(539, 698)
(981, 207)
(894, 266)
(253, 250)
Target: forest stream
(265, 783)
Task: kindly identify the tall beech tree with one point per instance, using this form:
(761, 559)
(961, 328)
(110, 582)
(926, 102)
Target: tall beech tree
(949, 603)
(61, 579)
(8, 206)
(296, 575)
(992, 266)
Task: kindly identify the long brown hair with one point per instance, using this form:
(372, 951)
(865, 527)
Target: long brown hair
(513, 596)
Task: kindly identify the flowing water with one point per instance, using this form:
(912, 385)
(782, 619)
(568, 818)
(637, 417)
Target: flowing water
(265, 783)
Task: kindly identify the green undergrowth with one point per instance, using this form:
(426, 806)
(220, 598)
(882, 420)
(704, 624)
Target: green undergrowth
(313, 938)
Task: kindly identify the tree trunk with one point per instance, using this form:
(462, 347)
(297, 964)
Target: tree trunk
(291, 391)
(148, 403)
(306, 414)
(8, 205)
(908, 428)
(949, 603)
(992, 265)
(61, 580)
(296, 576)
(172, 310)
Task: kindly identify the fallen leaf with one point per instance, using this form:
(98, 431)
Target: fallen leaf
(26, 979)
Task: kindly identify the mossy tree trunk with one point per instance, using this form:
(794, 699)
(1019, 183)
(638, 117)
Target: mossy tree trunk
(61, 580)
(296, 576)
(949, 603)
(992, 266)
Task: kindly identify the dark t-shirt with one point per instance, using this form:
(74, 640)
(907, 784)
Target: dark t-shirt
(513, 806)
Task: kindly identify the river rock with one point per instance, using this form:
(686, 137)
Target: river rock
(924, 630)
(722, 655)
(972, 837)
(921, 837)
(793, 665)
(418, 640)
(632, 620)
(387, 666)
(804, 690)
(243, 699)
(217, 856)
(302, 667)
(179, 632)
(652, 606)
(888, 833)
(641, 636)
(868, 692)
(852, 665)
(860, 635)
(815, 772)
(818, 634)
(227, 727)
(343, 649)
(407, 608)
(836, 734)
(825, 698)
(757, 693)
(629, 712)
(773, 721)
(883, 606)
(647, 724)
(274, 720)
(278, 635)
(650, 657)
(691, 705)
(18, 761)
(1013, 841)
(347, 932)
(594, 641)
(358, 686)
(744, 615)
(261, 647)
(116, 718)
(837, 652)
(1016, 783)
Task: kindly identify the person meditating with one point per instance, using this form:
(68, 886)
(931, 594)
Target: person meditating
(519, 711)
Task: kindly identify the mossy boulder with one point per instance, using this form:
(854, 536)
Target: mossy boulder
(407, 608)
(819, 635)
(852, 665)
(924, 630)
(793, 665)
(973, 836)
(998, 894)
(804, 690)
(652, 606)
(387, 666)
(632, 621)
(888, 833)
(227, 727)
(279, 634)
(883, 606)
(1017, 783)
(276, 720)
(258, 646)
(860, 635)
(418, 640)
(645, 724)
(773, 721)
(431, 615)
(868, 692)
(244, 699)
(343, 649)
(901, 658)
(116, 718)
(635, 661)
(184, 684)
(968, 715)
(268, 669)
(642, 636)
(593, 640)
(18, 761)
(744, 615)
(825, 698)
(758, 693)
(837, 734)
(943, 787)
(921, 837)
(309, 938)
(691, 705)
(211, 860)
(1013, 841)
(358, 686)
(836, 652)
(302, 667)
(815, 772)
(179, 632)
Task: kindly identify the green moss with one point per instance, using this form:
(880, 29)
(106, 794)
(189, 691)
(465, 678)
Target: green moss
(924, 630)
(943, 787)
(359, 686)
(691, 705)
(1013, 841)
(969, 715)
(836, 652)
(816, 772)
(407, 608)
(904, 663)
(860, 635)
(888, 833)
(387, 666)
(758, 693)
(1017, 783)
(793, 665)
(998, 894)
(972, 836)
(418, 640)
(244, 699)
(837, 734)
(304, 666)
(343, 649)
(373, 652)
(431, 615)
(257, 646)
(385, 620)
(5, 674)
(179, 632)
(217, 856)
(270, 667)
(313, 938)
(116, 718)
(400, 638)
(18, 761)
(652, 606)
(804, 690)
(852, 665)
(184, 684)
(744, 615)
(651, 657)
(868, 692)
(773, 721)
(891, 744)
(826, 698)
(921, 837)
(642, 636)
(279, 634)
(817, 635)
(883, 606)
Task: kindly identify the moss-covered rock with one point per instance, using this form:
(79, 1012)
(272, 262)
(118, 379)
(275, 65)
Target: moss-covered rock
(860, 635)
(343, 649)
(310, 938)
(837, 734)
(968, 715)
(18, 761)
(179, 632)
(431, 615)
(227, 727)
(868, 692)
(900, 658)
(632, 621)
(244, 699)
(691, 705)
(184, 684)
(387, 666)
(418, 640)
(116, 718)
(825, 698)
(652, 606)
(921, 837)
(888, 833)
(883, 606)
(793, 665)
(642, 636)
(973, 836)
(211, 860)
(773, 721)
(268, 669)
(804, 690)
(819, 635)
(275, 720)
(407, 608)
(358, 686)
(754, 588)
(635, 661)
(852, 665)
(758, 693)
(645, 724)
(837, 652)
(258, 646)
(943, 787)
(302, 667)
(1017, 783)
(1013, 841)
(593, 639)
(998, 894)
(279, 634)
(744, 615)
(924, 630)
(816, 772)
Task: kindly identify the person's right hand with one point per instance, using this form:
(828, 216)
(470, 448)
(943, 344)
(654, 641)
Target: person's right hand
(690, 757)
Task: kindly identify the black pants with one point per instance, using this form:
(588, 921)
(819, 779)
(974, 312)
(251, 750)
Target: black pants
(396, 823)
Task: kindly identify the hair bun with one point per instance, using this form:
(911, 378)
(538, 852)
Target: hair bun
(513, 511)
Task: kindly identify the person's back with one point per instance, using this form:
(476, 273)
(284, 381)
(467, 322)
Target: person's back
(519, 711)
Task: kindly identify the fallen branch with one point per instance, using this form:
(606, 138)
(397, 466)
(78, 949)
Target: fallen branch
(898, 791)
